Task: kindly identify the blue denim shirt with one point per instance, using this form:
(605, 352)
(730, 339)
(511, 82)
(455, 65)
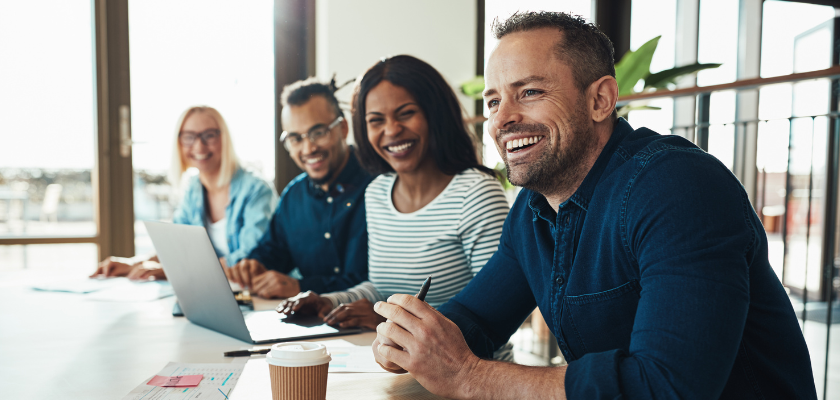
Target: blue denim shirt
(654, 278)
(320, 235)
(247, 212)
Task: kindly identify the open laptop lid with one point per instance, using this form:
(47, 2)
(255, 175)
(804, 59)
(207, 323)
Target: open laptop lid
(197, 277)
(204, 294)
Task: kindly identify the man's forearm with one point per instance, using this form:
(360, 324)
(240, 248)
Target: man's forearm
(501, 380)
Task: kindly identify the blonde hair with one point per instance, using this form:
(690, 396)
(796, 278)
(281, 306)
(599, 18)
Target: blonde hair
(229, 161)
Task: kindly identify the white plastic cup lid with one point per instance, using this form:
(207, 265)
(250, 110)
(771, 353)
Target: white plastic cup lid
(298, 354)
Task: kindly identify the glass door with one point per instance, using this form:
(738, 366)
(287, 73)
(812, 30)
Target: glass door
(213, 53)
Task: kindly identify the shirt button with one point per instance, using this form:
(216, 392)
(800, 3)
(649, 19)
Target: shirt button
(337, 270)
(327, 235)
(329, 200)
(559, 280)
(348, 204)
(567, 219)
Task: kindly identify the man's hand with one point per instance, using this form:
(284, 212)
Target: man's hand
(114, 266)
(357, 313)
(306, 303)
(420, 340)
(272, 285)
(244, 272)
(147, 270)
(385, 364)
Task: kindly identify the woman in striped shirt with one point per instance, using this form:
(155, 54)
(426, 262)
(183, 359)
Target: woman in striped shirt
(434, 210)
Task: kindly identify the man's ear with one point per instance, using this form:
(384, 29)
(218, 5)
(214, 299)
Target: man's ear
(604, 93)
(345, 128)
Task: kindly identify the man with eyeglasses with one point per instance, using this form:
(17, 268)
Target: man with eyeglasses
(317, 239)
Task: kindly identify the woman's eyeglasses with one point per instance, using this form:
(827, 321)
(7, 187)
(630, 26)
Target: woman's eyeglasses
(209, 137)
(293, 141)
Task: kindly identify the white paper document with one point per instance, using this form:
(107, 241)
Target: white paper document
(111, 289)
(329, 343)
(134, 291)
(80, 285)
(217, 384)
(346, 356)
(353, 359)
(255, 384)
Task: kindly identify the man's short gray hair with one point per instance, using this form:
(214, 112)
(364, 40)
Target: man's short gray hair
(587, 50)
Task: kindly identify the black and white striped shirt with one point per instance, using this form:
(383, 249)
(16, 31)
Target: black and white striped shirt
(451, 238)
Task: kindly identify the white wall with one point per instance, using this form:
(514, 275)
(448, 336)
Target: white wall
(352, 35)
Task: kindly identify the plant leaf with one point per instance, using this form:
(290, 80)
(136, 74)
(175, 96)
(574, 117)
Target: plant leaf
(625, 110)
(501, 175)
(634, 65)
(667, 77)
(473, 87)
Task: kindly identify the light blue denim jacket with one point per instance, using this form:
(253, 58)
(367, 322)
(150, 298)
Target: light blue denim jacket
(248, 212)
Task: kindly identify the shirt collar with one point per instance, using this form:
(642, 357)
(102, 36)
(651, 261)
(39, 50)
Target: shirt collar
(583, 194)
(233, 187)
(348, 179)
(235, 182)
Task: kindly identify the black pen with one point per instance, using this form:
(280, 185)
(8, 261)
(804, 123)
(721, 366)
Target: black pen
(247, 353)
(424, 289)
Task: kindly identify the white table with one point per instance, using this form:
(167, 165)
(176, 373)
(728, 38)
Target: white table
(61, 346)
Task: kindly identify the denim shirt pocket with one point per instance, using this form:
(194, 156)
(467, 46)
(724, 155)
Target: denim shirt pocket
(602, 321)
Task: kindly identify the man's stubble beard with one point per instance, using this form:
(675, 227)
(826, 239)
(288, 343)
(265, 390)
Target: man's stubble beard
(332, 170)
(552, 173)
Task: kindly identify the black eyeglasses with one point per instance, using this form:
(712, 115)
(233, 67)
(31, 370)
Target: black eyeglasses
(293, 141)
(209, 137)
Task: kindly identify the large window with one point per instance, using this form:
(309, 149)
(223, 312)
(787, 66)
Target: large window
(796, 37)
(718, 26)
(782, 23)
(47, 114)
(214, 53)
(649, 19)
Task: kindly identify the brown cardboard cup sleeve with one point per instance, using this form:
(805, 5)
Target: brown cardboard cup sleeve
(298, 371)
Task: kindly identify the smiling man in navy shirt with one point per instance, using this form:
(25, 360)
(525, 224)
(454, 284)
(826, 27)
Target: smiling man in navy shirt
(317, 238)
(642, 252)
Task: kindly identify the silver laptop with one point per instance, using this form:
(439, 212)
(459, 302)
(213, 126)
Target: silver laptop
(205, 295)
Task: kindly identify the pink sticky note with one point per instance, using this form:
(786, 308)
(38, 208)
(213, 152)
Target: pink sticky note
(177, 381)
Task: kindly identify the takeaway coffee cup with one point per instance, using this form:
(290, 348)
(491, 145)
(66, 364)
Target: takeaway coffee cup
(298, 371)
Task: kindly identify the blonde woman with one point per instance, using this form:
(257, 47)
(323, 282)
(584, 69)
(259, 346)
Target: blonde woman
(233, 204)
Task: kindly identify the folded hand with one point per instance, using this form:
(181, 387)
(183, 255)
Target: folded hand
(357, 313)
(114, 266)
(244, 272)
(306, 303)
(147, 270)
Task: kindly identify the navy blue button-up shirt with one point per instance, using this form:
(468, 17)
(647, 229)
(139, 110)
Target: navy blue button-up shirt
(321, 234)
(654, 278)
